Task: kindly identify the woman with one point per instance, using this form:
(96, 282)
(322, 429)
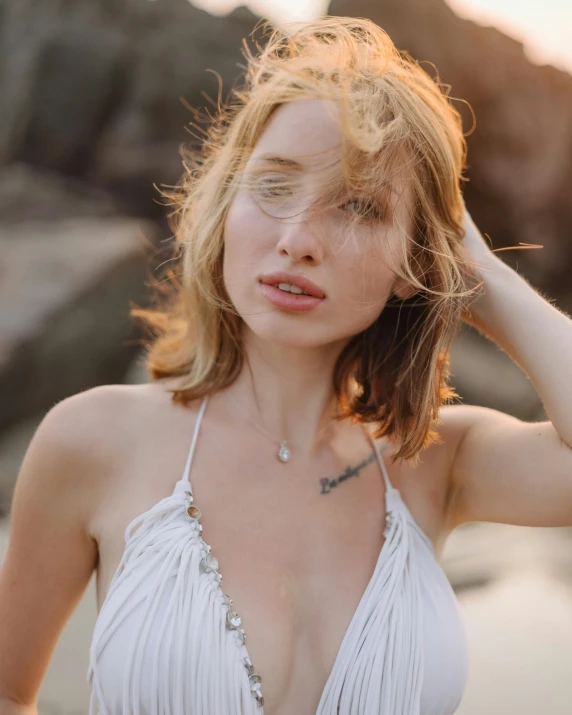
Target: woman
(300, 368)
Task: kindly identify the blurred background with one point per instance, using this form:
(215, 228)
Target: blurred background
(94, 99)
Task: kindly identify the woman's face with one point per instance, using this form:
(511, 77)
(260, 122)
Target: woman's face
(348, 267)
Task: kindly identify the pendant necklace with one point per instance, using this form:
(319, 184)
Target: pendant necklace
(284, 452)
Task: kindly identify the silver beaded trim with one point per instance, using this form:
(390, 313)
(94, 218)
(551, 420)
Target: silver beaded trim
(255, 682)
(233, 621)
(284, 453)
(388, 523)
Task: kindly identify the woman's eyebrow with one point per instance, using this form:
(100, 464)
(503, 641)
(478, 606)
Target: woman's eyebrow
(277, 160)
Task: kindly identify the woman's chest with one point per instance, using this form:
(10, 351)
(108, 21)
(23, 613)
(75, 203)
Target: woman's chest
(295, 569)
(295, 559)
(163, 629)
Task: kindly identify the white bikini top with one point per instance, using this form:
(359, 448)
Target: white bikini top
(168, 641)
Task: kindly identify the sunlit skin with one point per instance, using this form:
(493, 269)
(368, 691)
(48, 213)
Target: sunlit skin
(293, 354)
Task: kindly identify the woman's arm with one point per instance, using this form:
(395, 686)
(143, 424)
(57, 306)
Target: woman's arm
(9, 707)
(536, 335)
(504, 469)
(50, 557)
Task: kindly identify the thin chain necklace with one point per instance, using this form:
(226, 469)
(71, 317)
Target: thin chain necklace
(284, 452)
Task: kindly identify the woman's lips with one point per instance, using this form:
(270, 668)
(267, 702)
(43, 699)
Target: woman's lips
(297, 279)
(288, 301)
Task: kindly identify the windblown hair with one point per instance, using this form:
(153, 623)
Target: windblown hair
(399, 129)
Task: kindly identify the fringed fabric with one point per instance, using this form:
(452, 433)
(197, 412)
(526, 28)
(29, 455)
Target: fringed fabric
(197, 662)
(379, 667)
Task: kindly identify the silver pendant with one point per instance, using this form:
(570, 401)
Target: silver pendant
(283, 452)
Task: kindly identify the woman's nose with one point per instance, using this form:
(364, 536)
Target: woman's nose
(301, 239)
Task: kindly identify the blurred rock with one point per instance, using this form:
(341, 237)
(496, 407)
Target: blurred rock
(98, 88)
(65, 288)
(137, 373)
(485, 375)
(38, 194)
(13, 445)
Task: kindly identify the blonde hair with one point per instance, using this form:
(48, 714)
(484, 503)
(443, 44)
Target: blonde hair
(396, 122)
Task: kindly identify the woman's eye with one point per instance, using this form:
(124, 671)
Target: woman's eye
(272, 188)
(367, 209)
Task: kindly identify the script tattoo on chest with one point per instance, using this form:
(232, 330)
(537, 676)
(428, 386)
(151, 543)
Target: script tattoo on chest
(328, 484)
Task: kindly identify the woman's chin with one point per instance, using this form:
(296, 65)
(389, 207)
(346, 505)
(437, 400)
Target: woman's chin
(292, 337)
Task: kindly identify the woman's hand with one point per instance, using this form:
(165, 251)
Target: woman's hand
(483, 261)
(488, 267)
(476, 245)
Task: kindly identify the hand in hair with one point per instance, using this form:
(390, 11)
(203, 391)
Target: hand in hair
(476, 244)
(485, 263)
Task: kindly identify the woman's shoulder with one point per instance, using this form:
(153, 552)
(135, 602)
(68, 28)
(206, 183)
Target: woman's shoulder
(84, 418)
(101, 424)
(106, 418)
(110, 403)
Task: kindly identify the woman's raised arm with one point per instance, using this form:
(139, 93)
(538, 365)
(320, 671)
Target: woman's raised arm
(506, 470)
